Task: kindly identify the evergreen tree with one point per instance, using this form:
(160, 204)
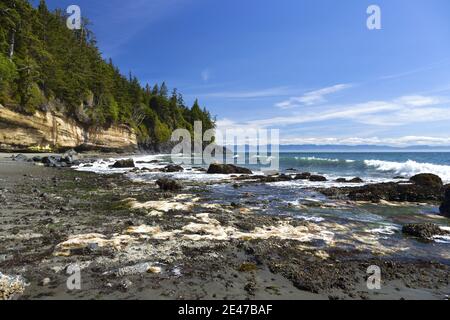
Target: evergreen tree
(44, 65)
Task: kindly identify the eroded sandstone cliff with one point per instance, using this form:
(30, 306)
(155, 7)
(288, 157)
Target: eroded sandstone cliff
(53, 132)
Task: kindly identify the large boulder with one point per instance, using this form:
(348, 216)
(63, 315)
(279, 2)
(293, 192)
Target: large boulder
(316, 178)
(55, 162)
(168, 184)
(354, 180)
(227, 169)
(127, 163)
(303, 176)
(445, 207)
(20, 158)
(173, 168)
(427, 180)
(425, 231)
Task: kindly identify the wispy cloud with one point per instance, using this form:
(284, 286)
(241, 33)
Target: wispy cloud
(416, 71)
(397, 141)
(250, 94)
(397, 112)
(312, 97)
(205, 75)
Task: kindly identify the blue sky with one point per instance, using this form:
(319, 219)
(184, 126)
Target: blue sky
(310, 68)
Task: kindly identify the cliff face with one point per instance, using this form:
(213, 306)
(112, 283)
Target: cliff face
(53, 132)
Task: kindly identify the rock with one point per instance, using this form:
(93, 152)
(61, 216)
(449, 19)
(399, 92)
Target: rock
(427, 180)
(53, 161)
(227, 169)
(354, 180)
(445, 207)
(45, 282)
(303, 176)
(316, 178)
(397, 192)
(424, 231)
(127, 163)
(168, 184)
(276, 178)
(70, 156)
(173, 168)
(148, 162)
(19, 158)
(36, 131)
(11, 287)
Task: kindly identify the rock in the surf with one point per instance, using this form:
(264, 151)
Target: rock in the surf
(316, 178)
(227, 169)
(427, 180)
(425, 231)
(168, 184)
(127, 163)
(173, 168)
(303, 176)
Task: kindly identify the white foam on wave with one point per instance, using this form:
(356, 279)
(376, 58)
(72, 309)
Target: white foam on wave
(323, 159)
(410, 168)
(316, 159)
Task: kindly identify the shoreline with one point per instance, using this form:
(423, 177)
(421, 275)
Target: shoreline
(194, 251)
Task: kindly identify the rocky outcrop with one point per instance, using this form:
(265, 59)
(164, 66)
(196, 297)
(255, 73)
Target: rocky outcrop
(127, 163)
(316, 178)
(168, 184)
(427, 180)
(354, 180)
(44, 132)
(421, 188)
(425, 231)
(227, 169)
(173, 168)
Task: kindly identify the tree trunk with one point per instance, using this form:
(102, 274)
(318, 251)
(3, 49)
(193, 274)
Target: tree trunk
(12, 44)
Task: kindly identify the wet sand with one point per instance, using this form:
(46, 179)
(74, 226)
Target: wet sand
(181, 253)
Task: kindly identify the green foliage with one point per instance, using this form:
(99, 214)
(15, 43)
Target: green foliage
(36, 99)
(8, 74)
(49, 62)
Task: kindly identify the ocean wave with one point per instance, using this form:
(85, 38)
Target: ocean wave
(316, 159)
(410, 168)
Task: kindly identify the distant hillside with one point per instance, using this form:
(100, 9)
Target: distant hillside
(45, 67)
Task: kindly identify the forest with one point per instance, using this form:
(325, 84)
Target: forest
(45, 66)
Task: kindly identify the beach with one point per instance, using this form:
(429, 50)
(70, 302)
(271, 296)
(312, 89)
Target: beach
(131, 240)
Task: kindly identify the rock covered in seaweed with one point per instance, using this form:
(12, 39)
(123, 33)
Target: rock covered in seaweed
(126, 163)
(169, 184)
(425, 231)
(427, 180)
(227, 169)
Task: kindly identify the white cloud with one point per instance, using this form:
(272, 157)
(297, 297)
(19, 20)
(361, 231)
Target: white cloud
(312, 97)
(353, 141)
(400, 111)
(206, 74)
(264, 93)
(380, 115)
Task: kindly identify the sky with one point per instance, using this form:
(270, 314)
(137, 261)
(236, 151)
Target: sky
(310, 68)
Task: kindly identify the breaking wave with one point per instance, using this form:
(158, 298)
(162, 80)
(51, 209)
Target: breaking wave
(410, 168)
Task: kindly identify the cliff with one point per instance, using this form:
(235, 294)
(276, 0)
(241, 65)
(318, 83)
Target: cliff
(55, 132)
